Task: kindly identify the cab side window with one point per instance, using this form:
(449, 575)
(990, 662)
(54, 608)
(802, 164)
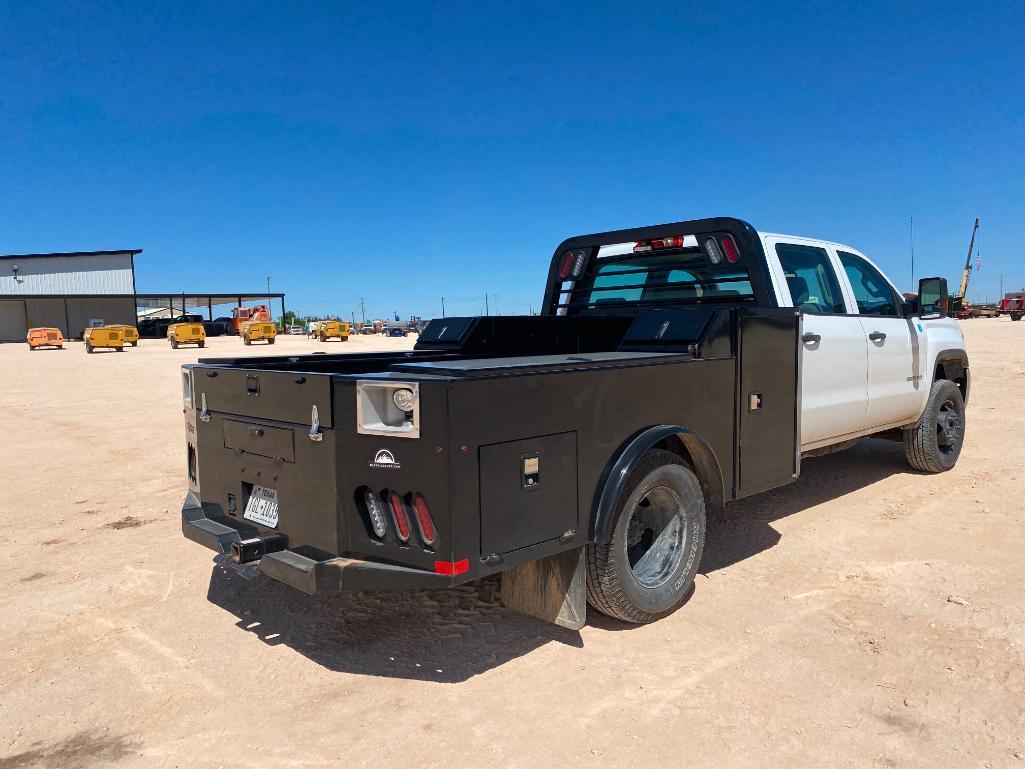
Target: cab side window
(810, 277)
(873, 294)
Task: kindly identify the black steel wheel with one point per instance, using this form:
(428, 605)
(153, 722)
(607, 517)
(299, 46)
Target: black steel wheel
(658, 533)
(934, 443)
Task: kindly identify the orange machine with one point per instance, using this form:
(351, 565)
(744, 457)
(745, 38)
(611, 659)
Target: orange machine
(45, 337)
(241, 315)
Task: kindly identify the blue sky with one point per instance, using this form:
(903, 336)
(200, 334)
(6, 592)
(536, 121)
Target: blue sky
(407, 153)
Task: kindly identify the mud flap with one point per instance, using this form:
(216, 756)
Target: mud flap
(552, 589)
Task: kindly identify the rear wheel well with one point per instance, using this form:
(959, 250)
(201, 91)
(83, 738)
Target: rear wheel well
(701, 459)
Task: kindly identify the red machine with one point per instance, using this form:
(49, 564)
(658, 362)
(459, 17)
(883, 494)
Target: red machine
(1013, 306)
(241, 315)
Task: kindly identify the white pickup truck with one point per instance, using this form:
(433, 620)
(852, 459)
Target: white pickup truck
(672, 369)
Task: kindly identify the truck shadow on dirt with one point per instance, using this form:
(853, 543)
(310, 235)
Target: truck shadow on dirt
(745, 529)
(453, 634)
(446, 635)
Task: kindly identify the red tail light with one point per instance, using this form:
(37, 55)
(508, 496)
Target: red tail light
(729, 247)
(398, 513)
(567, 263)
(423, 520)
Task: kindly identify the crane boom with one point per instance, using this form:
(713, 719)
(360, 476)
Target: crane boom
(963, 292)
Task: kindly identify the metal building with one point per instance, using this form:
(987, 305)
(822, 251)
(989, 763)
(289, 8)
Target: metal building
(66, 290)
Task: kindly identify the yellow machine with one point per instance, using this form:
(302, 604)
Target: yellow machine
(255, 330)
(332, 329)
(130, 333)
(104, 337)
(186, 333)
(45, 337)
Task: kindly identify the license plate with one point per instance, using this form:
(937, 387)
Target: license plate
(262, 507)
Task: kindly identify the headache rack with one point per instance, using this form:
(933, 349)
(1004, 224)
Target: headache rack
(717, 262)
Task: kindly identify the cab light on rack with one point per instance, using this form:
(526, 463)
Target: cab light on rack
(729, 247)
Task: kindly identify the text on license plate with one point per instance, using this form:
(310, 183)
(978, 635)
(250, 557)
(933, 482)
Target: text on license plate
(262, 506)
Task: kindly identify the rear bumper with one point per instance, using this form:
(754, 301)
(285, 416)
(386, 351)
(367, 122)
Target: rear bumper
(301, 572)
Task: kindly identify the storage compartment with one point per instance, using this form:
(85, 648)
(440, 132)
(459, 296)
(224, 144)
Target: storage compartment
(528, 492)
(271, 442)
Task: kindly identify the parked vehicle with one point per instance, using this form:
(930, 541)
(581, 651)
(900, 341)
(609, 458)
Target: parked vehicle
(45, 337)
(241, 315)
(296, 330)
(130, 333)
(156, 328)
(332, 329)
(673, 369)
(396, 331)
(1016, 307)
(186, 333)
(104, 337)
(368, 328)
(259, 330)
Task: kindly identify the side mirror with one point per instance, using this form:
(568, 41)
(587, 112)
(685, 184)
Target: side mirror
(933, 300)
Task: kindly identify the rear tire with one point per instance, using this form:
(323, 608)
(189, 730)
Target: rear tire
(270, 341)
(88, 348)
(934, 443)
(322, 338)
(202, 344)
(658, 534)
(174, 344)
(119, 349)
(247, 340)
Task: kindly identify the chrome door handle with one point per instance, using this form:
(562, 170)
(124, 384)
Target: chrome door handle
(810, 338)
(877, 336)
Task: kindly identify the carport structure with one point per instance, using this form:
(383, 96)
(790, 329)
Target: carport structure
(180, 304)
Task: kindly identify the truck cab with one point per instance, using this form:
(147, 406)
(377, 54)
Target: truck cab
(672, 369)
(867, 360)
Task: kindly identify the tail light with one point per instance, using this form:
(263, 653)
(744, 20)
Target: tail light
(729, 247)
(423, 520)
(567, 263)
(376, 512)
(572, 265)
(643, 246)
(398, 514)
(712, 252)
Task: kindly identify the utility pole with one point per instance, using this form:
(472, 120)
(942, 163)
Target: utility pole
(495, 296)
(363, 310)
(487, 309)
(1001, 286)
(443, 307)
(268, 284)
(912, 253)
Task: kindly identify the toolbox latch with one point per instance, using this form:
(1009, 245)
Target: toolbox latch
(315, 433)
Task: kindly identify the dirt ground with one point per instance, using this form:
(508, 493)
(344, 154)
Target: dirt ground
(821, 632)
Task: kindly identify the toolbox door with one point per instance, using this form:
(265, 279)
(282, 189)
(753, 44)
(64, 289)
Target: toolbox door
(528, 492)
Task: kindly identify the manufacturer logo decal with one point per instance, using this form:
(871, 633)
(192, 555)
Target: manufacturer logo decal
(386, 460)
(919, 327)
